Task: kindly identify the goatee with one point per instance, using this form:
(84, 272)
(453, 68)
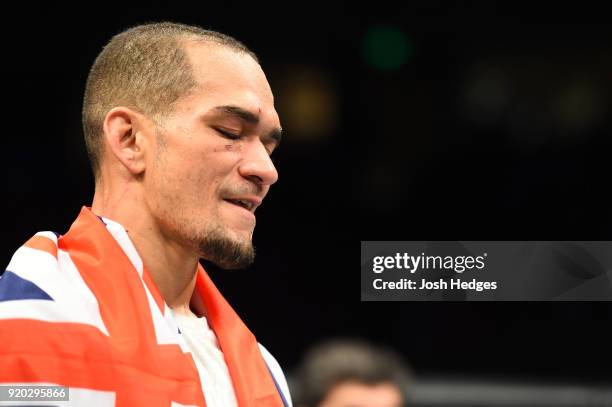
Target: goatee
(227, 253)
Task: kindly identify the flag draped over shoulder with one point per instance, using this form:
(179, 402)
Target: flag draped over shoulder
(81, 310)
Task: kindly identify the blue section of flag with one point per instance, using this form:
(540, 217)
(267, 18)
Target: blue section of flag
(13, 287)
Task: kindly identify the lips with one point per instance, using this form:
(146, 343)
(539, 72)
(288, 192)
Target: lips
(248, 203)
(249, 206)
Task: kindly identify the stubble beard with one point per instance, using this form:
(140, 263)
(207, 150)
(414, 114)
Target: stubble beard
(211, 241)
(216, 246)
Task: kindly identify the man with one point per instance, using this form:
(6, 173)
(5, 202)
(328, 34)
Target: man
(179, 124)
(351, 373)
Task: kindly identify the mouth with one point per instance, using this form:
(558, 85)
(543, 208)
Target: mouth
(246, 203)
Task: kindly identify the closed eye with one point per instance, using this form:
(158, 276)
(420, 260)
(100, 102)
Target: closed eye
(228, 134)
(232, 136)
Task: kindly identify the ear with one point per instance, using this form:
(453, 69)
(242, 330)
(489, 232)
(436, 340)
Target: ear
(126, 141)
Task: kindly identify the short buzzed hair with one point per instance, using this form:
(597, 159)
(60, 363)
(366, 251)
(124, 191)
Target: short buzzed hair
(347, 361)
(145, 68)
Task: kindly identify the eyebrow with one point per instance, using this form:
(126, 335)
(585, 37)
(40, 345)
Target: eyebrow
(249, 117)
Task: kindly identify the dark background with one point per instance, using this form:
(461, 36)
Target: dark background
(479, 122)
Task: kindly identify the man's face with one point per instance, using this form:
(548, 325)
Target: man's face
(212, 167)
(353, 394)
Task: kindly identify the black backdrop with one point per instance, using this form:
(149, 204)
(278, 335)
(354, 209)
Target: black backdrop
(416, 153)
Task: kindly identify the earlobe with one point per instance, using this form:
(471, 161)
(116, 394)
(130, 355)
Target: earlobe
(124, 139)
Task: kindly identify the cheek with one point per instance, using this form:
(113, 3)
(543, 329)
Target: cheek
(198, 183)
(199, 172)
(202, 181)
(235, 146)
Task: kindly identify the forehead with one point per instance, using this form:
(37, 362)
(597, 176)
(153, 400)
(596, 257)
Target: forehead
(229, 77)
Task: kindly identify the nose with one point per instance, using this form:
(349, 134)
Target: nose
(257, 165)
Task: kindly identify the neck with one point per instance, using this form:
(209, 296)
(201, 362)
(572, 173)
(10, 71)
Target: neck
(172, 266)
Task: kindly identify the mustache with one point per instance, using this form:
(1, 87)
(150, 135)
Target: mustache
(244, 190)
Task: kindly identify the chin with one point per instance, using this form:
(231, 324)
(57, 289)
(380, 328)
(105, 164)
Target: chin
(229, 250)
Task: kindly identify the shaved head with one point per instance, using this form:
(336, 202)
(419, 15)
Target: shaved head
(145, 68)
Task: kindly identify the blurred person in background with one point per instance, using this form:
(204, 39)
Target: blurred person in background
(351, 373)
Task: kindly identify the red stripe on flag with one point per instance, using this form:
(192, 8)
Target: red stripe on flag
(42, 243)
